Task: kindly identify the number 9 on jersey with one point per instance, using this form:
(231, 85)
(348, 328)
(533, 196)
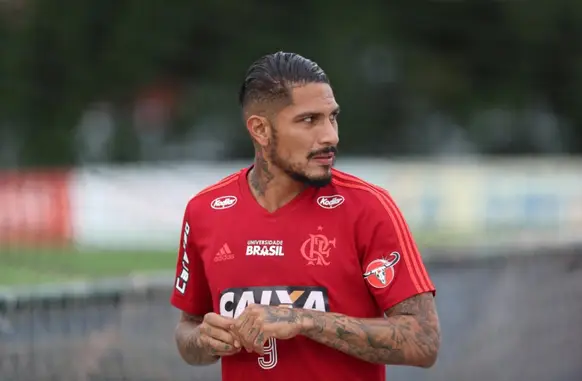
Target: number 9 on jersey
(269, 359)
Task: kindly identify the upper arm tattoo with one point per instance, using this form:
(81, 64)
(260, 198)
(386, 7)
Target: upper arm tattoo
(419, 305)
(423, 309)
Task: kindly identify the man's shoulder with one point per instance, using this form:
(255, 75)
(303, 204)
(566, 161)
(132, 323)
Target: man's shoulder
(220, 195)
(364, 193)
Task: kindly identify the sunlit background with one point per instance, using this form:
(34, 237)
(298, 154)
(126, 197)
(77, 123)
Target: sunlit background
(113, 113)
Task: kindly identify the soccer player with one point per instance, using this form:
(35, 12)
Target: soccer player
(291, 269)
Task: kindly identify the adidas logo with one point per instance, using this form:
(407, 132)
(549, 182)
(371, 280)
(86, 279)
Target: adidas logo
(223, 254)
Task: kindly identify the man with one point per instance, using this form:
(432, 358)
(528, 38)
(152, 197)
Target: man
(290, 268)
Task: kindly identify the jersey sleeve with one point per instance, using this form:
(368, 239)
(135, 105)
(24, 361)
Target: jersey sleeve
(191, 293)
(391, 263)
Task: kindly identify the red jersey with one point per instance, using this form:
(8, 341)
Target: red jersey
(343, 248)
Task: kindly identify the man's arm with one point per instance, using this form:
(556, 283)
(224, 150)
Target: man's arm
(191, 295)
(187, 338)
(408, 335)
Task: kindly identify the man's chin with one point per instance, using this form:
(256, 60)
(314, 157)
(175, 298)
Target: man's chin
(319, 181)
(315, 180)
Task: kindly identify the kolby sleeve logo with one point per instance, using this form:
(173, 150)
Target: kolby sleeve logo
(330, 202)
(380, 272)
(223, 202)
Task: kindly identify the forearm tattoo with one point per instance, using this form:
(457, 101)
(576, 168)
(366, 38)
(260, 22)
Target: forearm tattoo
(187, 335)
(409, 335)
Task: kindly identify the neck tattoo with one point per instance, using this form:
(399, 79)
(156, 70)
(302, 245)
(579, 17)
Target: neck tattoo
(260, 175)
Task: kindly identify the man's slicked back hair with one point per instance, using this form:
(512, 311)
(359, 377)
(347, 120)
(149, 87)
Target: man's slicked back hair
(271, 78)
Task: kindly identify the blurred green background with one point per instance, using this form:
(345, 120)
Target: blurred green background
(421, 78)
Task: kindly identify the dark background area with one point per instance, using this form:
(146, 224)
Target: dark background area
(134, 80)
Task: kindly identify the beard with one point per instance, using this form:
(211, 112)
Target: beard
(295, 171)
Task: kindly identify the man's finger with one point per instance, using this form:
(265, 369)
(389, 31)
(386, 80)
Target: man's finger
(228, 353)
(221, 335)
(217, 347)
(241, 322)
(259, 343)
(243, 330)
(256, 336)
(216, 320)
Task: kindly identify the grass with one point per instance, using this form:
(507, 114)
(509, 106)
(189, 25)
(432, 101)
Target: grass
(28, 266)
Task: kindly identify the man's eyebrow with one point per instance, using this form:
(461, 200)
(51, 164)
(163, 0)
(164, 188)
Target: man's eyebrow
(314, 113)
(306, 113)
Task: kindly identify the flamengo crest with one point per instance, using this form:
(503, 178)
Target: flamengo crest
(316, 249)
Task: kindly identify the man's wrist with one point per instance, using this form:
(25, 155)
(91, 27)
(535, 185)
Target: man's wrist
(306, 321)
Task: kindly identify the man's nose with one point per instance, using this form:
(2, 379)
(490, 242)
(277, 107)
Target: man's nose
(329, 134)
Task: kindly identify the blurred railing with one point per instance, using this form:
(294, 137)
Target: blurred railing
(140, 207)
(86, 259)
(510, 318)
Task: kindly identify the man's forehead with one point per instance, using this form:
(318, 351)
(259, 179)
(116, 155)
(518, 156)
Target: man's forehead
(313, 96)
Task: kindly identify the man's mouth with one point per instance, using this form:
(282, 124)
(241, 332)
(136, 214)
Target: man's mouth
(324, 158)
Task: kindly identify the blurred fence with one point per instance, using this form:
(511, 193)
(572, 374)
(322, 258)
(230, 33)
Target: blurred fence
(502, 238)
(140, 207)
(506, 318)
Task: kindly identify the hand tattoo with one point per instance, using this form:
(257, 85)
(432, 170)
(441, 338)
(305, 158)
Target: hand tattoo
(282, 315)
(259, 323)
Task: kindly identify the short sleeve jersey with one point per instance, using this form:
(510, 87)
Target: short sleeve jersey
(342, 248)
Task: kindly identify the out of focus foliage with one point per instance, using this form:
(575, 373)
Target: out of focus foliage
(430, 78)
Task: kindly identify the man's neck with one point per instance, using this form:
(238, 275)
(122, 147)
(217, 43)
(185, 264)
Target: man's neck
(271, 187)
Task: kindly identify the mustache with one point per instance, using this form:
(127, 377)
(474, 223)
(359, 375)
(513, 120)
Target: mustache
(323, 151)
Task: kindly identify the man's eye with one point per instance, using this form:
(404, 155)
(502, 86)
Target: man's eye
(308, 119)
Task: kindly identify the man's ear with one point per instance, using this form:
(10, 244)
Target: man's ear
(259, 128)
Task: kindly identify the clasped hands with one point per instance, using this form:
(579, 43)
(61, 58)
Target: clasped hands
(223, 336)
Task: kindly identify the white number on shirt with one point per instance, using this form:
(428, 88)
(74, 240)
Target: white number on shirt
(269, 359)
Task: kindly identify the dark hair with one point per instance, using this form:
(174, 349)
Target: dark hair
(270, 77)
